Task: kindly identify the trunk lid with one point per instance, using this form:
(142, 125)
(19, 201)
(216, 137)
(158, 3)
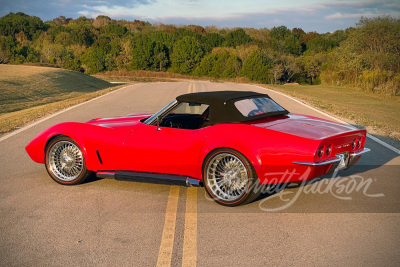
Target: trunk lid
(304, 126)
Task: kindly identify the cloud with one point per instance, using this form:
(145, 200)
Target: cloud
(311, 15)
(347, 16)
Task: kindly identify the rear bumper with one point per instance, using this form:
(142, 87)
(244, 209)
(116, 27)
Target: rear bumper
(334, 163)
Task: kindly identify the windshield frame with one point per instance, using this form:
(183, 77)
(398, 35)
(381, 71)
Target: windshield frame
(159, 114)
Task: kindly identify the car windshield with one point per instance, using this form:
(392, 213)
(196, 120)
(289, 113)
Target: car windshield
(257, 106)
(190, 108)
(165, 109)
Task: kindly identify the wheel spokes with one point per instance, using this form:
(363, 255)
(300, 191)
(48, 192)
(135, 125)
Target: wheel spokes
(227, 177)
(65, 160)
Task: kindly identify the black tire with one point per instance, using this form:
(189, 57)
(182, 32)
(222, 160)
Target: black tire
(229, 178)
(65, 162)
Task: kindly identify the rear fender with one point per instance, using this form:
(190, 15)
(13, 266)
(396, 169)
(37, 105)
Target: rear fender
(267, 150)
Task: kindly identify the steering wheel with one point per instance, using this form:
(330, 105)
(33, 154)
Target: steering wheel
(253, 112)
(174, 125)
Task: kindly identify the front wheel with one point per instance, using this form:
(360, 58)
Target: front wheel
(65, 162)
(229, 178)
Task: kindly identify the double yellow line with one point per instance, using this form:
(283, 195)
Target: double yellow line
(189, 256)
(192, 88)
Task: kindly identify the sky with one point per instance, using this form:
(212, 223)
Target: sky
(310, 15)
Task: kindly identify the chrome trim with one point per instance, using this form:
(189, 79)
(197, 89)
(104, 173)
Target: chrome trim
(365, 150)
(355, 156)
(107, 175)
(333, 161)
(161, 113)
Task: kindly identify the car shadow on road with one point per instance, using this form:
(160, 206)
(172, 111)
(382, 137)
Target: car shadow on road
(92, 178)
(371, 174)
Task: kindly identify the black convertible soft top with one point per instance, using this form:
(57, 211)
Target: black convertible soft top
(222, 108)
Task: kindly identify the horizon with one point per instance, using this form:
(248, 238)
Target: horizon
(309, 15)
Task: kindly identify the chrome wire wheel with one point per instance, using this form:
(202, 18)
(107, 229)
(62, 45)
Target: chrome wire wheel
(65, 161)
(227, 177)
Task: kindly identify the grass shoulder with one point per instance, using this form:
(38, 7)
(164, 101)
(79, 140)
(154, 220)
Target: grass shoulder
(28, 93)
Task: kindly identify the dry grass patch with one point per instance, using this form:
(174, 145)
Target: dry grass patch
(143, 76)
(30, 92)
(24, 87)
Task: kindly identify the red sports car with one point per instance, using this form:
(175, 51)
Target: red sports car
(232, 142)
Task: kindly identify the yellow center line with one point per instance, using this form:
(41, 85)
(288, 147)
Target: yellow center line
(189, 256)
(168, 235)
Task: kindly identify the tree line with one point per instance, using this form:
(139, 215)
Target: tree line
(365, 56)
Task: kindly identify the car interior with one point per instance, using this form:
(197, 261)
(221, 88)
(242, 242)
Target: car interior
(186, 120)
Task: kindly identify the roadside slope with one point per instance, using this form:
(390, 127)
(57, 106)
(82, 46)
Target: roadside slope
(30, 92)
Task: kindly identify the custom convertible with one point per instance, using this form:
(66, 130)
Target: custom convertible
(230, 142)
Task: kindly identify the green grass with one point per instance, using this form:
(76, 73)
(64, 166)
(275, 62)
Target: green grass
(379, 114)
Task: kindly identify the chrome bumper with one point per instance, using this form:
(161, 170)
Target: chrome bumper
(353, 157)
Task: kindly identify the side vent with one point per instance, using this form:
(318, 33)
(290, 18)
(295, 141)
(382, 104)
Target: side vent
(98, 155)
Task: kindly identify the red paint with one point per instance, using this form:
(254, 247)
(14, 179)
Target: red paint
(271, 144)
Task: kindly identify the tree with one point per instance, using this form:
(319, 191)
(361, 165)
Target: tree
(14, 23)
(257, 67)
(290, 66)
(211, 40)
(101, 21)
(93, 60)
(206, 66)
(291, 45)
(187, 55)
(124, 58)
(237, 37)
(114, 28)
(278, 72)
(4, 56)
(312, 65)
(160, 56)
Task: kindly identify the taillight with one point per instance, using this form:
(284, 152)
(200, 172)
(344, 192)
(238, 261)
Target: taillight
(359, 143)
(320, 151)
(353, 145)
(328, 150)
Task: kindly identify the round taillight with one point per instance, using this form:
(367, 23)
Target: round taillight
(353, 145)
(320, 151)
(359, 143)
(328, 150)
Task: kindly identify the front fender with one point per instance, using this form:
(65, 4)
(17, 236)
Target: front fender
(90, 138)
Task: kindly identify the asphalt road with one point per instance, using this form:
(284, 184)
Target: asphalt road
(350, 220)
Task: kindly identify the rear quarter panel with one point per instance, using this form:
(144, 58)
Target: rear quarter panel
(270, 152)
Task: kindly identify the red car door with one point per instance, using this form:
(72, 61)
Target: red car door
(169, 150)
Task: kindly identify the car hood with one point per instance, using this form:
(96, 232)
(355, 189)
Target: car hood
(129, 122)
(305, 126)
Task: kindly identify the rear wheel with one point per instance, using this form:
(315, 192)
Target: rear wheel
(65, 162)
(229, 178)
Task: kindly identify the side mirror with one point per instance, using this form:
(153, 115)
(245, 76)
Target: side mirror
(158, 124)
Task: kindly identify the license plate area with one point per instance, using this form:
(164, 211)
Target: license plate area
(344, 160)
